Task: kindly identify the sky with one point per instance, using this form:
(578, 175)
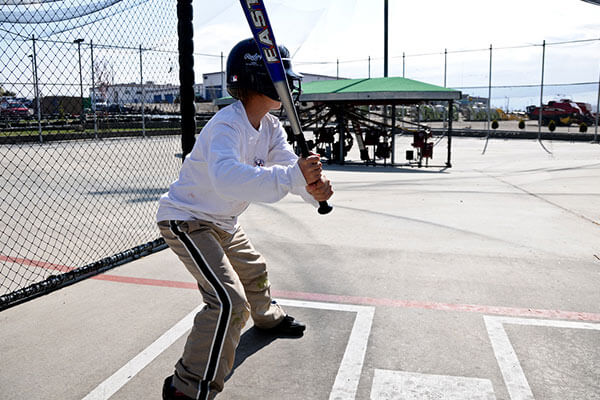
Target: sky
(319, 32)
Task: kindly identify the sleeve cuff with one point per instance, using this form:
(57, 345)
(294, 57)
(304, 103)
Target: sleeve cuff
(297, 177)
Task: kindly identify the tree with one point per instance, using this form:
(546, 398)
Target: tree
(104, 76)
(6, 93)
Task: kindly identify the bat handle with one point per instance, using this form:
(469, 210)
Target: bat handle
(324, 208)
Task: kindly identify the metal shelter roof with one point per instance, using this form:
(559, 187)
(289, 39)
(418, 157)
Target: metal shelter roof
(376, 90)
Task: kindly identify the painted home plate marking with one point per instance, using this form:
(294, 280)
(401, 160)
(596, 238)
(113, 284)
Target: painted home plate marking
(395, 385)
(348, 376)
(514, 377)
(346, 381)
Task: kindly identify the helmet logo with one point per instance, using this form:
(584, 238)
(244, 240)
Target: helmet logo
(234, 78)
(253, 58)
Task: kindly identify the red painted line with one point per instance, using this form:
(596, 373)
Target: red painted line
(146, 281)
(481, 309)
(35, 263)
(331, 298)
(102, 277)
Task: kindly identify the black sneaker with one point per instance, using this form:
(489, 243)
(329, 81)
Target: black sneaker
(170, 393)
(287, 327)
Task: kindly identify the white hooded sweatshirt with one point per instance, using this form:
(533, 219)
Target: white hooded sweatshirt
(231, 165)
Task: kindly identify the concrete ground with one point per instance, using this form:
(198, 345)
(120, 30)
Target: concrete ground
(481, 281)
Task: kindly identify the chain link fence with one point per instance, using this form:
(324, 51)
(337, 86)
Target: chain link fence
(563, 75)
(89, 133)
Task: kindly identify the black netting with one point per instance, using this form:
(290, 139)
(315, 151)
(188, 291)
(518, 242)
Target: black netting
(89, 133)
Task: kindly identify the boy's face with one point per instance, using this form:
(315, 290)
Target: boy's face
(273, 104)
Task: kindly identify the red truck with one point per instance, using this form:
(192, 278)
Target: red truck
(563, 112)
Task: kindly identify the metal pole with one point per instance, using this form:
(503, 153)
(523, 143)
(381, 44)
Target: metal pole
(93, 96)
(37, 91)
(143, 94)
(403, 65)
(489, 93)
(445, 65)
(82, 116)
(81, 112)
(222, 75)
(385, 39)
(450, 118)
(597, 113)
(542, 92)
(337, 74)
(369, 67)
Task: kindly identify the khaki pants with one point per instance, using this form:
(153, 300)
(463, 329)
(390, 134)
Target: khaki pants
(232, 278)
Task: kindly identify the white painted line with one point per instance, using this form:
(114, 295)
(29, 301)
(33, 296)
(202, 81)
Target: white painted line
(514, 377)
(552, 323)
(350, 370)
(117, 380)
(393, 385)
(346, 382)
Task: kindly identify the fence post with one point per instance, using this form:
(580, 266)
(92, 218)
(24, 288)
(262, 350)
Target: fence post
(385, 38)
(489, 105)
(597, 113)
(82, 110)
(541, 91)
(450, 119)
(93, 95)
(185, 32)
(222, 72)
(403, 65)
(37, 90)
(445, 65)
(143, 94)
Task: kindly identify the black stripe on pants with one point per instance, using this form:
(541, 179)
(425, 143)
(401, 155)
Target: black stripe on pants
(224, 312)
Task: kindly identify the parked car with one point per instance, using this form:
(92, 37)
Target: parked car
(14, 110)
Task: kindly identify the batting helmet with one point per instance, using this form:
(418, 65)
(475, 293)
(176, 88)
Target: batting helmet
(246, 70)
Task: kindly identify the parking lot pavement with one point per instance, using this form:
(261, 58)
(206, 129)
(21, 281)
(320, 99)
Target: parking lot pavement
(476, 282)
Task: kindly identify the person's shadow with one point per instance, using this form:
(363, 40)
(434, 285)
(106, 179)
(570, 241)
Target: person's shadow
(252, 341)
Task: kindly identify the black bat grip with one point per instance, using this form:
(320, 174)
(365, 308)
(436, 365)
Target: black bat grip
(324, 208)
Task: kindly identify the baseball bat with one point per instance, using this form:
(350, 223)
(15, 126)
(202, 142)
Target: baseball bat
(256, 14)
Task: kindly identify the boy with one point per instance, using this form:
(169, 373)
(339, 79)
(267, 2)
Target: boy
(240, 156)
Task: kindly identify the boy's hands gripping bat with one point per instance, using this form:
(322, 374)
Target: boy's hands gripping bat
(256, 14)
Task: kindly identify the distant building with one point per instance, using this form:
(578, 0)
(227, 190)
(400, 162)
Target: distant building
(131, 93)
(470, 100)
(213, 87)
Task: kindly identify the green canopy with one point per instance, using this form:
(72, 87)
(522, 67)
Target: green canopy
(376, 90)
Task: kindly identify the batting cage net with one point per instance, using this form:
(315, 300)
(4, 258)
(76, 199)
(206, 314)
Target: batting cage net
(89, 136)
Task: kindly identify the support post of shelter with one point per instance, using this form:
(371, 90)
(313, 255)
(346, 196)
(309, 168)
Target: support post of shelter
(450, 118)
(340, 120)
(393, 144)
